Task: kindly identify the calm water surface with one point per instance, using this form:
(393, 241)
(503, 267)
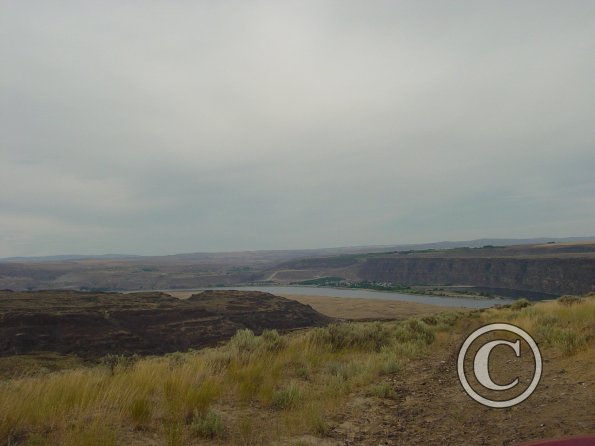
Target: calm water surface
(369, 294)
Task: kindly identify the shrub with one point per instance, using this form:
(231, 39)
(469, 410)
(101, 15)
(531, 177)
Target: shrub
(141, 410)
(415, 330)
(447, 319)
(568, 300)
(272, 341)
(248, 379)
(186, 394)
(548, 320)
(111, 361)
(347, 370)
(176, 359)
(217, 360)
(430, 320)
(174, 434)
(409, 349)
(567, 341)
(247, 431)
(288, 397)
(520, 303)
(303, 371)
(316, 420)
(200, 397)
(351, 336)
(115, 362)
(245, 345)
(381, 390)
(388, 362)
(209, 425)
(545, 326)
(93, 434)
(244, 342)
(34, 440)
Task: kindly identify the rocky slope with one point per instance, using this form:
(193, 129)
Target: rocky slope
(95, 324)
(554, 276)
(553, 268)
(550, 268)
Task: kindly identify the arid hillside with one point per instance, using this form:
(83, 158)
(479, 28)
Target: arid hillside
(345, 384)
(548, 275)
(92, 325)
(550, 268)
(555, 268)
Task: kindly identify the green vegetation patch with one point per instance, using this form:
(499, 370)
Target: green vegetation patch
(37, 363)
(331, 280)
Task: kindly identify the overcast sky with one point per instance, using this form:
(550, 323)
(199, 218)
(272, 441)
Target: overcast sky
(178, 126)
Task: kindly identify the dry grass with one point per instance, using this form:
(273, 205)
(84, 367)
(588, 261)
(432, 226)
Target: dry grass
(359, 308)
(255, 389)
(566, 324)
(296, 377)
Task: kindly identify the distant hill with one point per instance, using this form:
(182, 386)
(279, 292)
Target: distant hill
(66, 257)
(550, 268)
(394, 263)
(92, 325)
(286, 254)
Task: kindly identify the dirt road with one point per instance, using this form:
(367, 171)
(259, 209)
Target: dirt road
(429, 406)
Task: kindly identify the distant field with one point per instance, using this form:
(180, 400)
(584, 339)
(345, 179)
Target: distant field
(354, 308)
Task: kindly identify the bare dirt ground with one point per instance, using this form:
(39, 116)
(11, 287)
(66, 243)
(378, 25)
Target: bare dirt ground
(358, 309)
(354, 308)
(429, 406)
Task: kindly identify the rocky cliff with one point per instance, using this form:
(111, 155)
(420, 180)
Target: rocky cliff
(547, 275)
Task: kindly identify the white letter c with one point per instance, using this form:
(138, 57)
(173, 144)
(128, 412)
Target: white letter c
(480, 364)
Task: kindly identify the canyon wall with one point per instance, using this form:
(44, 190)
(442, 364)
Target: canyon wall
(546, 275)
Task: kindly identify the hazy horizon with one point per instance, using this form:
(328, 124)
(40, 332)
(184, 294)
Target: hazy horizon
(521, 241)
(172, 127)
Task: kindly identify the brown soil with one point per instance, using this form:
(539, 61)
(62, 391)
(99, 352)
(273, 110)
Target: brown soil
(364, 309)
(431, 408)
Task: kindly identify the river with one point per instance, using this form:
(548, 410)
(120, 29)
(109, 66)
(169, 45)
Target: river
(369, 294)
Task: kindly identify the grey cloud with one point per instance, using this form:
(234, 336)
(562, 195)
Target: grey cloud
(160, 127)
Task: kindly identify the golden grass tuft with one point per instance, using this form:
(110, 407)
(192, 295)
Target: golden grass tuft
(565, 324)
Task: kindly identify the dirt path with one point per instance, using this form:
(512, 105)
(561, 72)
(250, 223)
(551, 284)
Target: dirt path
(430, 407)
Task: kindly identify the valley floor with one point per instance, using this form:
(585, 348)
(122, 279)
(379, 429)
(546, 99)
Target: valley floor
(355, 308)
(366, 309)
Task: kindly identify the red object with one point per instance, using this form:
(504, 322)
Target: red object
(588, 440)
